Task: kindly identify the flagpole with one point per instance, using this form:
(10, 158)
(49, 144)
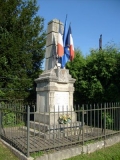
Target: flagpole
(57, 57)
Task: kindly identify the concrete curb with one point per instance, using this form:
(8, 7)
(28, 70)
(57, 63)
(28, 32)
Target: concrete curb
(86, 149)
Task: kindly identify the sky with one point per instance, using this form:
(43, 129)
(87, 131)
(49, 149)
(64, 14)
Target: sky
(88, 18)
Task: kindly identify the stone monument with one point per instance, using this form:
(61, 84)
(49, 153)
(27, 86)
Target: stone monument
(55, 86)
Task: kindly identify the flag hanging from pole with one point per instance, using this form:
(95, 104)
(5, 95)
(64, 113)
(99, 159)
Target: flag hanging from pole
(60, 48)
(66, 56)
(69, 43)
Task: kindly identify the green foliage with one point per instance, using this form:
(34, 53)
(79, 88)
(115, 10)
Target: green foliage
(13, 113)
(37, 154)
(100, 67)
(97, 75)
(22, 47)
(77, 69)
(9, 118)
(12, 119)
(108, 119)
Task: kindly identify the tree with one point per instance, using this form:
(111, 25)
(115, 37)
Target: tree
(22, 47)
(103, 66)
(97, 75)
(77, 69)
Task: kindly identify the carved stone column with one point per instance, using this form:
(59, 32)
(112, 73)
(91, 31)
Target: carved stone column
(51, 43)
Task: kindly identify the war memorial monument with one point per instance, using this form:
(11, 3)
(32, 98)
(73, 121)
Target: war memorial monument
(55, 86)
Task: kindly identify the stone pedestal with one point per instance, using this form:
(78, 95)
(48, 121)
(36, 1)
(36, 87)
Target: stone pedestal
(54, 96)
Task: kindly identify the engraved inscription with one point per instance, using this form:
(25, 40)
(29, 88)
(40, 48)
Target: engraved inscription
(61, 101)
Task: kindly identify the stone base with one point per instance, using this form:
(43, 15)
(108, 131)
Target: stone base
(52, 118)
(56, 131)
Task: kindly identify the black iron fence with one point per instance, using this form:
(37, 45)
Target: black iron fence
(42, 131)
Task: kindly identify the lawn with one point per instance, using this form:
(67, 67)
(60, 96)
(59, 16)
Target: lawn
(6, 154)
(109, 153)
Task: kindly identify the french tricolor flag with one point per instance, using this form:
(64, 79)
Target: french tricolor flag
(70, 43)
(60, 48)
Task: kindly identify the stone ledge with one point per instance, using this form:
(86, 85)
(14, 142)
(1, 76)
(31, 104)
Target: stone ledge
(86, 149)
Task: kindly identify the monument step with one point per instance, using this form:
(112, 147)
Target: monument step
(63, 130)
(45, 127)
(74, 127)
(33, 132)
(39, 126)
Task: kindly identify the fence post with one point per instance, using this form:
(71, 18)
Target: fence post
(28, 128)
(104, 123)
(83, 124)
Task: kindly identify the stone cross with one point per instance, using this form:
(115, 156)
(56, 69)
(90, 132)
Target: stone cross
(51, 44)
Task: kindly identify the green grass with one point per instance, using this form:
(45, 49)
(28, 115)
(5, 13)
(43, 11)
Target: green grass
(6, 154)
(109, 153)
(36, 154)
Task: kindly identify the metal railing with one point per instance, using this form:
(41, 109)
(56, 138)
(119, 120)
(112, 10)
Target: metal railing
(42, 131)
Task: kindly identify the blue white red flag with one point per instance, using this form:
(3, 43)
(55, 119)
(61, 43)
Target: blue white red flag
(69, 43)
(65, 58)
(60, 48)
